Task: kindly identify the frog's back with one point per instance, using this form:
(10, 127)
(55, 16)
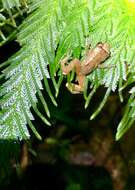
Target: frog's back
(93, 59)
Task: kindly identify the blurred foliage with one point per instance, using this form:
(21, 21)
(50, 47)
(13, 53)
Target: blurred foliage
(69, 144)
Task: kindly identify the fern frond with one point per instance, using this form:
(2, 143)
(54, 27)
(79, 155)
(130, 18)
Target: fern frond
(114, 23)
(39, 35)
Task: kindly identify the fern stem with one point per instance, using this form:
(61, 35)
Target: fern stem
(126, 84)
(9, 38)
(128, 106)
(33, 129)
(126, 121)
(30, 123)
(102, 104)
(121, 131)
(90, 96)
(41, 116)
(55, 84)
(12, 18)
(49, 91)
(7, 21)
(19, 10)
(119, 91)
(58, 84)
(46, 81)
(85, 89)
(1, 10)
(40, 94)
(46, 84)
(51, 68)
(44, 103)
(25, 3)
(35, 107)
(2, 35)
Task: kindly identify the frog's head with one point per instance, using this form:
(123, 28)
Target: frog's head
(104, 46)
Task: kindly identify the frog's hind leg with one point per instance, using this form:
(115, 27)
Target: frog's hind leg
(80, 86)
(77, 88)
(75, 64)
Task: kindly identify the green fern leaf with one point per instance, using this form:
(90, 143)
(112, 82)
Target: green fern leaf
(129, 116)
(114, 22)
(39, 35)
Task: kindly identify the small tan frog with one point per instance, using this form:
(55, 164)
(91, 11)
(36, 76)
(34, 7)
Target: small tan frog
(91, 61)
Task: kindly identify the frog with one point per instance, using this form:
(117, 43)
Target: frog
(92, 59)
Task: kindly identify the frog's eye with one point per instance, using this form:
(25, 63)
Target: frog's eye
(99, 44)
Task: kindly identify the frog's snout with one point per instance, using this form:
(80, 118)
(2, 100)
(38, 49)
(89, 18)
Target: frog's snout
(106, 47)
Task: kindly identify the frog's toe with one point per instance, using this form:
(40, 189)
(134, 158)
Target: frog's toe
(71, 88)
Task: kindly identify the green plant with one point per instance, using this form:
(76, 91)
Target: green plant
(50, 31)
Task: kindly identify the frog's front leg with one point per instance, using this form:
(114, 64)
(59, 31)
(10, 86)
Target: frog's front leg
(75, 64)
